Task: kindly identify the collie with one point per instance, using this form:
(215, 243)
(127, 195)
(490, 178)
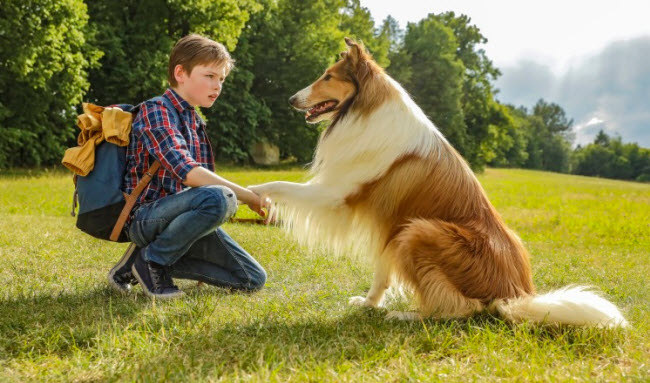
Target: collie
(386, 183)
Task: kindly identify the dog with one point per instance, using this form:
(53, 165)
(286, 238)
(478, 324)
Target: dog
(386, 182)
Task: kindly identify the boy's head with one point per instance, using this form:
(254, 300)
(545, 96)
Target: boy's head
(197, 68)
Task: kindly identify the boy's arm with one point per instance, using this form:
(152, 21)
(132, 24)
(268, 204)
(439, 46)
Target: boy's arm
(164, 143)
(200, 176)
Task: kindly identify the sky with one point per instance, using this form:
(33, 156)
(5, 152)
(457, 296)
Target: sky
(590, 57)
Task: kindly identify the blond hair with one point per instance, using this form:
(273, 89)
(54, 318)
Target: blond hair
(193, 50)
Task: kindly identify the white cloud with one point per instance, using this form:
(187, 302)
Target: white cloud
(609, 90)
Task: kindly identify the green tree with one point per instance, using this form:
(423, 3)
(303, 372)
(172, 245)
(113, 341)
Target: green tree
(44, 58)
(399, 59)
(547, 134)
(554, 118)
(487, 122)
(137, 37)
(435, 77)
(507, 140)
(609, 157)
(357, 23)
(291, 43)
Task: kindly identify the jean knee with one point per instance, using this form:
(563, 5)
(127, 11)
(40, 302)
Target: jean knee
(258, 279)
(219, 201)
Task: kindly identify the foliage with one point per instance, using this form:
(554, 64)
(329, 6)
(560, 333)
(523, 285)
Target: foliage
(54, 54)
(291, 43)
(137, 37)
(486, 121)
(434, 76)
(611, 158)
(357, 23)
(542, 137)
(439, 62)
(43, 63)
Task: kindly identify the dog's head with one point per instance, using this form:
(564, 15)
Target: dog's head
(333, 93)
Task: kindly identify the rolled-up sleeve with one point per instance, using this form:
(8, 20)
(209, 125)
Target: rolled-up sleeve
(165, 143)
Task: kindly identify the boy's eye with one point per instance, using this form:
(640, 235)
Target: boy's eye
(327, 77)
(210, 75)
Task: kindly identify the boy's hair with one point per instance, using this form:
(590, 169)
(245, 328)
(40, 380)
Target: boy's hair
(193, 50)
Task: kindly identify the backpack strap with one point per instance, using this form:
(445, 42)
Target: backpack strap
(132, 198)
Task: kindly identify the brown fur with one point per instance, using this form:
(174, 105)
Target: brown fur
(444, 237)
(446, 234)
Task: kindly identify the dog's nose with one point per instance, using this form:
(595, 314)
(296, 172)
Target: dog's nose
(292, 99)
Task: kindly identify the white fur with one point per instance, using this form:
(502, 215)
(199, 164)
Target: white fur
(361, 149)
(357, 150)
(573, 305)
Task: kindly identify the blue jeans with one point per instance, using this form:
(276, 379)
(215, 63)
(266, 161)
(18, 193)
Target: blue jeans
(182, 231)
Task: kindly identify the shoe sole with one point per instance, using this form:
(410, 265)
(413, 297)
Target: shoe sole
(127, 254)
(149, 293)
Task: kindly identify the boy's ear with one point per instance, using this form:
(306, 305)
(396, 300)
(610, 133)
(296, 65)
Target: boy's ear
(180, 74)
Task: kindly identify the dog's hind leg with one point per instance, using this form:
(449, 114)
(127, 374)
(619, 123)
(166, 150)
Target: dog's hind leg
(380, 283)
(433, 258)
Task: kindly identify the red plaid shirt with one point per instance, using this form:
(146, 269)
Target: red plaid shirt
(180, 146)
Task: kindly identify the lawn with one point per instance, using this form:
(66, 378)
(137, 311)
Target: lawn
(59, 321)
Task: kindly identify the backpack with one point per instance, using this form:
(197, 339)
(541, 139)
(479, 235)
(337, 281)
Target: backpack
(103, 206)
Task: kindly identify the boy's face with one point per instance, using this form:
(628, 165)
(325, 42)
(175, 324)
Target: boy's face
(202, 86)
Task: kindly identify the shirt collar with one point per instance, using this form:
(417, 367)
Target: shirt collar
(177, 100)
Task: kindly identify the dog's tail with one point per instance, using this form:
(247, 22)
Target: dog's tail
(573, 305)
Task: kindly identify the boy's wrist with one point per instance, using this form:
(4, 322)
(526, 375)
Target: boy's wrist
(250, 197)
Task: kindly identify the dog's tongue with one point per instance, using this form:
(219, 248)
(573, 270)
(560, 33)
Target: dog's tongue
(321, 107)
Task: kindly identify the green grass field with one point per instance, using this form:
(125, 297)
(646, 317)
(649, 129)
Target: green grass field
(59, 321)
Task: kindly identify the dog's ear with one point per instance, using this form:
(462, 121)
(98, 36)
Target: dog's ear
(356, 58)
(355, 52)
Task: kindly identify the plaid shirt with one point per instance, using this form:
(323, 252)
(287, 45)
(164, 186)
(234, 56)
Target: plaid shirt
(180, 146)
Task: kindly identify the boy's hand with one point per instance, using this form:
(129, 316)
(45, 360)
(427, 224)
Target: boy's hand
(258, 204)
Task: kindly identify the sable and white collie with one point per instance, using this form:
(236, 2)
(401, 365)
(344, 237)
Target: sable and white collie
(385, 182)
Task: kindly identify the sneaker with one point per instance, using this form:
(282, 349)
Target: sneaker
(120, 277)
(155, 279)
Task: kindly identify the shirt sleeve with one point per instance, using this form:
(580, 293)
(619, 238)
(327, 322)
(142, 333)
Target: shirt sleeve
(157, 129)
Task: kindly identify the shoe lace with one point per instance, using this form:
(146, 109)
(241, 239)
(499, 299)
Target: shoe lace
(161, 278)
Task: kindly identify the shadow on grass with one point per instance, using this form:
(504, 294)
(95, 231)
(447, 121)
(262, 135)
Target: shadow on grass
(363, 337)
(63, 322)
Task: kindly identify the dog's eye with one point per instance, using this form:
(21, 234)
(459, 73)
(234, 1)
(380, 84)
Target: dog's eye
(327, 77)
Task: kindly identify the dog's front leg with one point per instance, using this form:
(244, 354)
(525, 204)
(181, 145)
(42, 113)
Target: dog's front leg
(291, 193)
(381, 282)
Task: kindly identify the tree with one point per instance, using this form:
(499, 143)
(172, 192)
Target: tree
(602, 139)
(357, 23)
(137, 37)
(291, 43)
(609, 157)
(44, 57)
(554, 118)
(435, 77)
(485, 119)
(508, 139)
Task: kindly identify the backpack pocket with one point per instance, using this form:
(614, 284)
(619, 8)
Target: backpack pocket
(100, 222)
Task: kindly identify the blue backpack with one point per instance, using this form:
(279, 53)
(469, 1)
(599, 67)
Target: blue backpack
(103, 206)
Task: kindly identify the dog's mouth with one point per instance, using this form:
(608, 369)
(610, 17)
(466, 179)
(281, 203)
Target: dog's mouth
(320, 108)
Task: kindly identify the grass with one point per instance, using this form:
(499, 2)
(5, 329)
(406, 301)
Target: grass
(59, 321)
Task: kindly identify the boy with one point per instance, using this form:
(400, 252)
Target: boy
(175, 224)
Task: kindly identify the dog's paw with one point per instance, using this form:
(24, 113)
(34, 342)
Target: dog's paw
(403, 315)
(362, 301)
(273, 190)
(357, 301)
(262, 189)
